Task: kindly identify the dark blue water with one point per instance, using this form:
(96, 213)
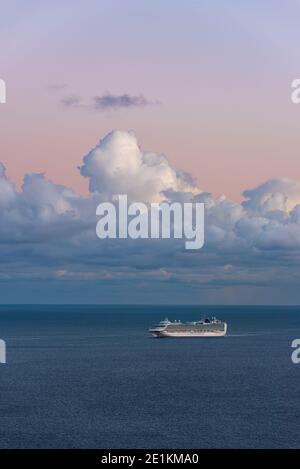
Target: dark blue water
(90, 376)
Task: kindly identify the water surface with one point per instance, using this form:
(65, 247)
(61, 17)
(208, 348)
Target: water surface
(92, 376)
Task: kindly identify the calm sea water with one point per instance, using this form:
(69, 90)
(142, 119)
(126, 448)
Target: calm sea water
(91, 376)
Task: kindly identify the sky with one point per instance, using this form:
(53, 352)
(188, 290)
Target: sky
(205, 83)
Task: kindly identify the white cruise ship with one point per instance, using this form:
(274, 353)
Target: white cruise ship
(204, 328)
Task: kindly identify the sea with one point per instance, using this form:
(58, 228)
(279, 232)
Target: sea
(92, 376)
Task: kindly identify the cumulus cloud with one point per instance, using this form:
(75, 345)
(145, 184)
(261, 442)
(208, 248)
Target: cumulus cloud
(41, 210)
(48, 231)
(274, 195)
(117, 165)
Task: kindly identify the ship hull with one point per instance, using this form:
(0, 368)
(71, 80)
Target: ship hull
(195, 334)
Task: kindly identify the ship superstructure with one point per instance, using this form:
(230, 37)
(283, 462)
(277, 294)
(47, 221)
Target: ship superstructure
(203, 328)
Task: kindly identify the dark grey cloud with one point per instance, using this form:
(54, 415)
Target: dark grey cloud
(111, 101)
(71, 101)
(107, 101)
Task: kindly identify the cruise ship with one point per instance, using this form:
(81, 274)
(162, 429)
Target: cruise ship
(204, 328)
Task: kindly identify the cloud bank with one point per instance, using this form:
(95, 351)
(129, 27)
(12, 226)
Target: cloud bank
(47, 231)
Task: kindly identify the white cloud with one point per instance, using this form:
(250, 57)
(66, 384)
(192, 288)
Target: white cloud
(275, 194)
(117, 165)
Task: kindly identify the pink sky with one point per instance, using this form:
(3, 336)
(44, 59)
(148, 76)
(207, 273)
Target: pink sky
(221, 76)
